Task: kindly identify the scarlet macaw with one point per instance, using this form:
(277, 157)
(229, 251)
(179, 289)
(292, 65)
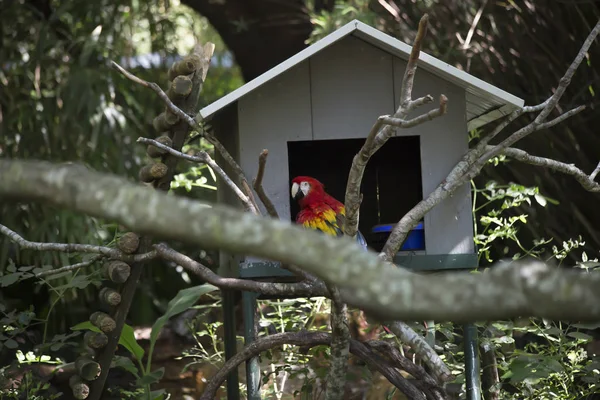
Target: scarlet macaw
(318, 210)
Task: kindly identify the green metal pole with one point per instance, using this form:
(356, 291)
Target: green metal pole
(252, 365)
(230, 339)
(473, 377)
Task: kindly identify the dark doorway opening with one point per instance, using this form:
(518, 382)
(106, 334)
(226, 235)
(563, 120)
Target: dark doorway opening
(391, 185)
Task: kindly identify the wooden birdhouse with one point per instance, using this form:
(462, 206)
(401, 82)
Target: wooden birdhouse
(313, 113)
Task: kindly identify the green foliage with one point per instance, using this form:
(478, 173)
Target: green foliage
(326, 22)
(554, 365)
(184, 300)
(29, 388)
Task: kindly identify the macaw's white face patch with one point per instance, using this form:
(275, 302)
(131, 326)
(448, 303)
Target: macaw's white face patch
(304, 188)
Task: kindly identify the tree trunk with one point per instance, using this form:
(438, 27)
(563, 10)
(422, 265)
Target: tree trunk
(260, 33)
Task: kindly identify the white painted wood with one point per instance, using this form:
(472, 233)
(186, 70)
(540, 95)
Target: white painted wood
(448, 227)
(269, 117)
(351, 85)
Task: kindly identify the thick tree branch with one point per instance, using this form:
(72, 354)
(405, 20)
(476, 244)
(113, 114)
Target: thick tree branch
(202, 157)
(74, 248)
(587, 181)
(301, 289)
(310, 339)
(365, 281)
(258, 187)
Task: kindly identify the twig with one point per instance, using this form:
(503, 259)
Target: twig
(163, 96)
(411, 66)
(521, 133)
(203, 158)
(258, 187)
(306, 289)
(401, 123)
(587, 181)
(308, 339)
(474, 25)
(595, 172)
(75, 248)
(69, 267)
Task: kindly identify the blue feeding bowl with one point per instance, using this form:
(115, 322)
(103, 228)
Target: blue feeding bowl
(414, 241)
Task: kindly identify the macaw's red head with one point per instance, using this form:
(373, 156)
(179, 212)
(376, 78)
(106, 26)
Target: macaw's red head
(307, 190)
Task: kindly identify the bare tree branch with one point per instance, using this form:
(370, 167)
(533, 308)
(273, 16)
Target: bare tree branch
(202, 157)
(595, 172)
(72, 267)
(258, 187)
(306, 289)
(163, 96)
(521, 133)
(378, 137)
(490, 379)
(401, 123)
(340, 347)
(364, 280)
(75, 248)
(390, 351)
(194, 125)
(411, 67)
(305, 338)
(418, 344)
(587, 181)
(473, 161)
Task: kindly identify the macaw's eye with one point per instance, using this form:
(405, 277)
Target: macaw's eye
(304, 185)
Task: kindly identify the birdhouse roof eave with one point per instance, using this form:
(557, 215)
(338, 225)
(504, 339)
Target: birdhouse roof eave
(485, 102)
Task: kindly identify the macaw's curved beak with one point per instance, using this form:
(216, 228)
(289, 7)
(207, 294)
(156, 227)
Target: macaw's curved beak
(297, 194)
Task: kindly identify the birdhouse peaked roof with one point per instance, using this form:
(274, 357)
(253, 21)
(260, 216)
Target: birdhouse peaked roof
(485, 102)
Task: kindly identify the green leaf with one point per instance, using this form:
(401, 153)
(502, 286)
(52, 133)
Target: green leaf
(158, 394)
(587, 326)
(126, 364)
(11, 344)
(128, 341)
(580, 336)
(185, 299)
(152, 377)
(9, 279)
